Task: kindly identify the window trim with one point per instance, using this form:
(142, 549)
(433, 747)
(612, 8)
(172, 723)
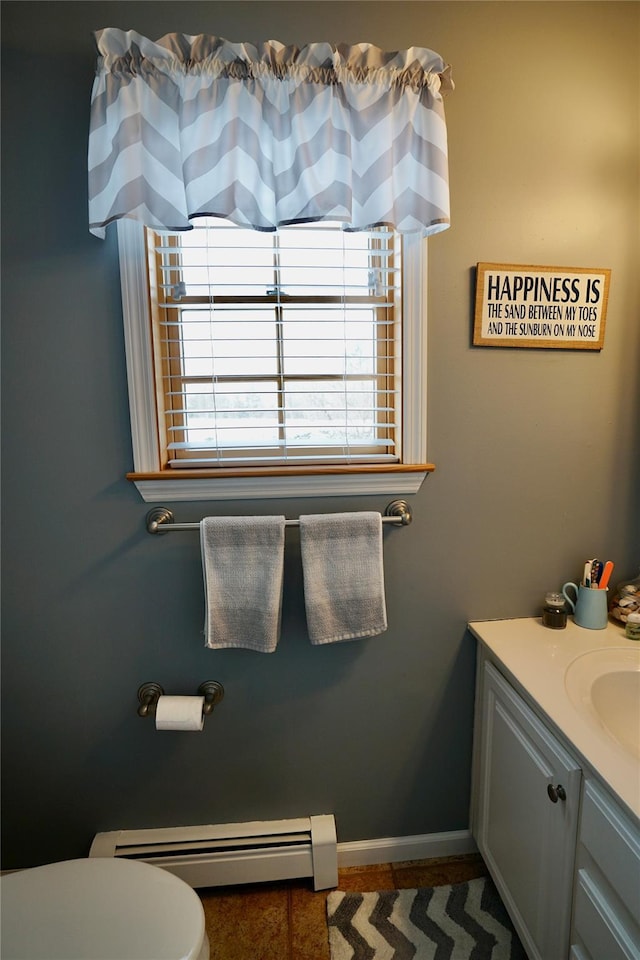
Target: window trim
(156, 486)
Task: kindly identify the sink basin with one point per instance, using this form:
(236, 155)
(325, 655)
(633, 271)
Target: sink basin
(605, 683)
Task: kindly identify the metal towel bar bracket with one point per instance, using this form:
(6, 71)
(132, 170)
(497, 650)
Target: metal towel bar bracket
(161, 519)
(149, 694)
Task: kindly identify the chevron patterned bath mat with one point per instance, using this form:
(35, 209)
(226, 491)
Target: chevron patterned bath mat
(463, 921)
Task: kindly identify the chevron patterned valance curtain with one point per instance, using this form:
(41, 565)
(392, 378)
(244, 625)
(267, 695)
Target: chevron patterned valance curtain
(266, 135)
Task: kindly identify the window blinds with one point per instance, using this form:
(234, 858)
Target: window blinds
(277, 348)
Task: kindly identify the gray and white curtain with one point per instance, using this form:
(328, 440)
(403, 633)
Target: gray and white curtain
(266, 135)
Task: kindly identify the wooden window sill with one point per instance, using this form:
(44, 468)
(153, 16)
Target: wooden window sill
(238, 483)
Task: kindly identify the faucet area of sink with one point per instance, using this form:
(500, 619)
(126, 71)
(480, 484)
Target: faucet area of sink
(605, 684)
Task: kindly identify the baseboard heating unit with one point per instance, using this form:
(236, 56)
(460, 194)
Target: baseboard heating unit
(233, 853)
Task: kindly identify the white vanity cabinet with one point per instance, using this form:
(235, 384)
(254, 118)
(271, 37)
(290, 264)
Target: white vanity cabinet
(554, 803)
(606, 915)
(525, 807)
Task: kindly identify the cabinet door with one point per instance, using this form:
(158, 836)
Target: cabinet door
(526, 839)
(606, 913)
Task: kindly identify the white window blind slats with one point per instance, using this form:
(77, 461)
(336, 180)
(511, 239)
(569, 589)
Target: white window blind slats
(315, 459)
(262, 293)
(256, 442)
(277, 409)
(276, 348)
(319, 425)
(280, 410)
(301, 323)
(357, 307)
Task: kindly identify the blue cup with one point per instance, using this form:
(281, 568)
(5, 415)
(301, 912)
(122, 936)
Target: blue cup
(590, 608)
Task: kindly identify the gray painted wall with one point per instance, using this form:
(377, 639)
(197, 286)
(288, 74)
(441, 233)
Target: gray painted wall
(536, 451)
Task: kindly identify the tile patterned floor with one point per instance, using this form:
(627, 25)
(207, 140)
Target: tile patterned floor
(286, 921)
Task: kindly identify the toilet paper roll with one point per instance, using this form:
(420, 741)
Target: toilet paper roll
(180, 713)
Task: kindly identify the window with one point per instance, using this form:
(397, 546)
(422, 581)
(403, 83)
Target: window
(276, 348)
(274, 364)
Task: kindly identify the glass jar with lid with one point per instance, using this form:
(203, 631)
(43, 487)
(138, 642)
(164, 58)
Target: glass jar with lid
(554, 612)
(632, 626)
(625, 600)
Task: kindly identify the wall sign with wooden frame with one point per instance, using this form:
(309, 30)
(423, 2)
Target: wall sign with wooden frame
(525, 306)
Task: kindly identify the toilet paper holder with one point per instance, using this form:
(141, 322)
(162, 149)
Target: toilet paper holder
(149, 694)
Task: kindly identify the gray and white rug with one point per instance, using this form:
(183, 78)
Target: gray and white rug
(462, 921)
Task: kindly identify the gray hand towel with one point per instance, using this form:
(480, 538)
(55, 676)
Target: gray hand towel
(343, 575)
(242, 561)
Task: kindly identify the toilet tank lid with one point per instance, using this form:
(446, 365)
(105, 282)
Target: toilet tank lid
(100, 908)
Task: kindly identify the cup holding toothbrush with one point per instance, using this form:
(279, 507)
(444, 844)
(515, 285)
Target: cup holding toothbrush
(589, 606)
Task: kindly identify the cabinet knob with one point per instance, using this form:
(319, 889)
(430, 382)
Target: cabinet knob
(556, 793)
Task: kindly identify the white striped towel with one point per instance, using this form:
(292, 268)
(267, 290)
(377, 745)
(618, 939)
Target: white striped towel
(242, 562)
(343, 575)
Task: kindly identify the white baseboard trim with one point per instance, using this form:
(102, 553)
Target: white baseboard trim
(425, 846)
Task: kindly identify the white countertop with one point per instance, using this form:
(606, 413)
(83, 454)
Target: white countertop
(536, 658)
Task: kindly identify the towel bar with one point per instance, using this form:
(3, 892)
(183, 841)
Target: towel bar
(149, 694)
(160, 519)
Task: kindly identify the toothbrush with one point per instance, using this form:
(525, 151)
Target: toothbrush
(596, 573)
(606, 574)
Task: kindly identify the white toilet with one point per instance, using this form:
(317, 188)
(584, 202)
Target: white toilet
(100, 908)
